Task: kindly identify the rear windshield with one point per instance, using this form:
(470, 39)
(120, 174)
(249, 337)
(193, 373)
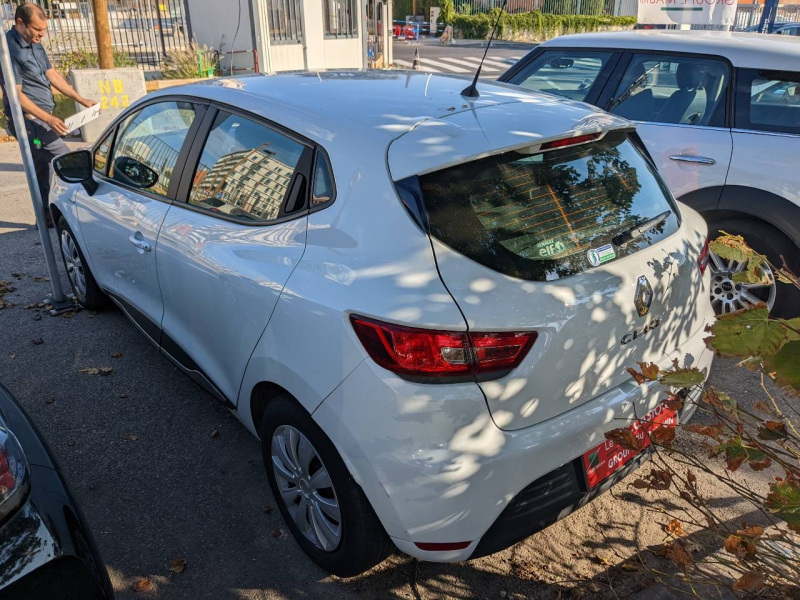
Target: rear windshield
(549, 215)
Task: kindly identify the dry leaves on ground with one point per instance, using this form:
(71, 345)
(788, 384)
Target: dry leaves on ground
(177, 566)
(142, 585)
(130, 436)
(102, 371)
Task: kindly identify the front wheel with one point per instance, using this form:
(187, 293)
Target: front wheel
(727, 295)
(324, 508)
(81, 280)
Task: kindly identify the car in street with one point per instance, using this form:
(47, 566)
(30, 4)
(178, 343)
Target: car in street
(46, 548)
(720, 115)
(424, 309)
(782, 28)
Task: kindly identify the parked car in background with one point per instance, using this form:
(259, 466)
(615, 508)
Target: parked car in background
(785, 28)
(46, 549)
(720, 115)
(424, 309)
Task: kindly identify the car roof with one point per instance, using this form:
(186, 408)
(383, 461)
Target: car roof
(366, 110)
(746, 50)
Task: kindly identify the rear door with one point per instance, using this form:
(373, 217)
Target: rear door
(230, 242)
(525, 242)
(121, 220)
(680, 103)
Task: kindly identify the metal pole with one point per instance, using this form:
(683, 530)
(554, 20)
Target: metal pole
(161, 28)
(59, 302)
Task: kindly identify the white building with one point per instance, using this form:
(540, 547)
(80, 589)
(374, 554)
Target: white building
(288, 35)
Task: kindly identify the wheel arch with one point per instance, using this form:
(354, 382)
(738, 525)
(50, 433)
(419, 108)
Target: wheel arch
(262, 394)
(735, 202)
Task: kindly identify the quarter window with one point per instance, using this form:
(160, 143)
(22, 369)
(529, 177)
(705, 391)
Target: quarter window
(102, 152)
(661, 89)
(148, 145)
(339, 18)
(245, 170)
(768, 101)
(567, 73)
(323, 181)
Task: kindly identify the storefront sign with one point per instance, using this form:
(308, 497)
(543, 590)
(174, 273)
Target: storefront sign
(687, 12)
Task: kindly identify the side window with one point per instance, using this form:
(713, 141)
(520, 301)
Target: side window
(671, 89)
(148, 145)
(245, 169)
(322, 191)
(102, 152)
(768, 101)
(567, 73)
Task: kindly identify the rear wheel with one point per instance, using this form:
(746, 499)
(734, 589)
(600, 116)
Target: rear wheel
(727, 295)
(324, 508)
(81, 280)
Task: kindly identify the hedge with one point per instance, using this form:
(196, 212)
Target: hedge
(534, 24)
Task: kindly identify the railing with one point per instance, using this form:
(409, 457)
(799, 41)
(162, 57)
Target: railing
(145, 30)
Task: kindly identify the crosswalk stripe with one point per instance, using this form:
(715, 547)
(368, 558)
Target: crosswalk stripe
(458, 61)
(494, 62)
(407, 65)
(444, 66)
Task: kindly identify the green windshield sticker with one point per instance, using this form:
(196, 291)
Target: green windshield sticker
(601, 255)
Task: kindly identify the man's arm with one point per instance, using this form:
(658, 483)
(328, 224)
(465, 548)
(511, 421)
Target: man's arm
(29, 107)
(63, 86)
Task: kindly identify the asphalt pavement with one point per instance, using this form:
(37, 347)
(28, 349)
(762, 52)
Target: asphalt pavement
(163, 471)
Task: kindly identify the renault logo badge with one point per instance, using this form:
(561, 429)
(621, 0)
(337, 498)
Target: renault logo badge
(643, 296)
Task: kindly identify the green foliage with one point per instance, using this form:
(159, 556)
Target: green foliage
(532, 24)
(786, 365)
(448, 11)
(784, 501)
(189, 63)
(748, 333)
(86, 59)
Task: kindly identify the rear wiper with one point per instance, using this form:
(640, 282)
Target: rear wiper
(631, 234)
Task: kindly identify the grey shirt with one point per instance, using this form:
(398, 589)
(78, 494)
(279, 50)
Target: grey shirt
(30, 64)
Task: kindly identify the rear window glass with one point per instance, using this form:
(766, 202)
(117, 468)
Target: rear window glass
(549, 215)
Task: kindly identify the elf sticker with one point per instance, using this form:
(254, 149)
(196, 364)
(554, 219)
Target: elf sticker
(598, 256)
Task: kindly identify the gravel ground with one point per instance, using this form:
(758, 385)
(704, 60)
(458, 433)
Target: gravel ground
(177, 491)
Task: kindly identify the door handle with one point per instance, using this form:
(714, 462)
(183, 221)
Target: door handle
(695, 160)
(140, 244)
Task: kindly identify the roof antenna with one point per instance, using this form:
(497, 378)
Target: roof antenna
(472, 90)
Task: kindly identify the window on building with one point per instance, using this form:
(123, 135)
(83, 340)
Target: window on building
(339, 17)
(285, 21)
(245, 170)
(148, 145)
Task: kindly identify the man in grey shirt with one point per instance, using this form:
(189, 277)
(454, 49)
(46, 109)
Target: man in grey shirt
(34, 76)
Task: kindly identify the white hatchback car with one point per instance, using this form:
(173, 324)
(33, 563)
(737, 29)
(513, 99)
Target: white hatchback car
(423, 305)
(720, 114)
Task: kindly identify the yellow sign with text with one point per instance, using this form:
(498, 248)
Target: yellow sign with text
(112, 94)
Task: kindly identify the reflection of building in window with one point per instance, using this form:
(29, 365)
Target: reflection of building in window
(155, 153)
(251, 180)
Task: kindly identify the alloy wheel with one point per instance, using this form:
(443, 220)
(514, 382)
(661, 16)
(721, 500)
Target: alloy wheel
(729, 296)
(73, 263)
(306, 488)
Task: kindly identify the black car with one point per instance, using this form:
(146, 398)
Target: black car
(46, 550)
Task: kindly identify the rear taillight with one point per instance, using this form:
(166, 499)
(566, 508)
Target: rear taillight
(702, 259)
(570, 141)
(426, 352)
(14, 484)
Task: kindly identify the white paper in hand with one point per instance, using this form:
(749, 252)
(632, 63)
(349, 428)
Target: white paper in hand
(82, 118)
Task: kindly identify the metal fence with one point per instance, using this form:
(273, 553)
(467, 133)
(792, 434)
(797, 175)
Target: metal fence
(747, 15)
(145, 30)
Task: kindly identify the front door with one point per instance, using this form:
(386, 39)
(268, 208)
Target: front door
(227, 248)
(121, 221)
(679, 103)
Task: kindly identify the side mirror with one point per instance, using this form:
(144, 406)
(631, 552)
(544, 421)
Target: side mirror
(76, 167)
(131, 172)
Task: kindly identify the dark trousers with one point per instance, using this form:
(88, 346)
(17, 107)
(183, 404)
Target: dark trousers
(50, 145)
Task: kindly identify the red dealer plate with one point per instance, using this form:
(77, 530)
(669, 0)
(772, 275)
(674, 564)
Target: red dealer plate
(603, 460)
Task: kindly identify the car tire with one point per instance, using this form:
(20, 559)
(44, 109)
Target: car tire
(362, 542)
(770, 242)
(81, 280)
